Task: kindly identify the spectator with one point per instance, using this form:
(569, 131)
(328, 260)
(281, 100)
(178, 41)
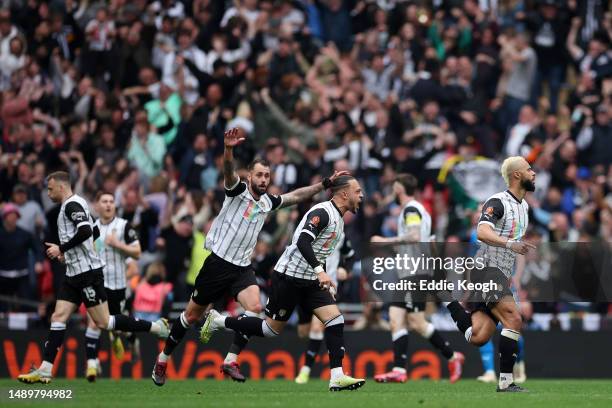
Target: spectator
(100, 34)
(153, 295)
(596, 60)
(521, 63)
(147, 149)
(32, 218)
(549, 25)
(283, 62)
(165, 113)
(174, 71)
(175, 240)
(14, 60)
(15, 244)
(194, 162)
(594, 139)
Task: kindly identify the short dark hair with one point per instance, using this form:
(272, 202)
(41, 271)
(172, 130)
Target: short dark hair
(59, 176)
(409, 182)
(99, 195)
(258, 160)
(341, 183)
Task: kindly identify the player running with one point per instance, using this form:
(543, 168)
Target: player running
(309, 325)
(413, 225)
(231, 240)
(84, 281)
(117, 242)
(299, 279)
(502, 225)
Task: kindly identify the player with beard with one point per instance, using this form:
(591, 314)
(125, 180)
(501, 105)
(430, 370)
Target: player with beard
(413, 226)
(231, 240)
(502, 225)
(299, 279)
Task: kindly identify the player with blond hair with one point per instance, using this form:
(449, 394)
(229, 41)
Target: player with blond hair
(501, 229)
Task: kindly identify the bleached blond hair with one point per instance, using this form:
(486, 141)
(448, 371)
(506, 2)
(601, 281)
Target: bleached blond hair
(510, 165)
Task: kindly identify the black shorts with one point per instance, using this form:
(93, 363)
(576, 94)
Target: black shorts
(484, 302)
(288, 292)
(217, 278)
(86, 287)
(495, 295)
(116, 300)
(413, 301)
(304, 316)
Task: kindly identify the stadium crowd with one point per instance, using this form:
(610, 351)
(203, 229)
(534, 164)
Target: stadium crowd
(133, 97)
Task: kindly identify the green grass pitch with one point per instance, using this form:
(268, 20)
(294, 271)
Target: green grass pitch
(282, 393)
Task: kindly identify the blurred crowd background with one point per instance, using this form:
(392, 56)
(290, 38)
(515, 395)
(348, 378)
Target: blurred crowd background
(133, 97)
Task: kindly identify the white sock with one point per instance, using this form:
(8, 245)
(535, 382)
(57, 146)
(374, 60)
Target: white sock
(399, 333)
(155, 328)
(91, 363)
(220, 321)
(468, 334)
(267, 330)
(505, 379)
(336, 373)
(429, 330)
(111, 323)
(45, 367)
(231, 358)
(305, 369)
(313, 335)
(399, 370)
(163, 357)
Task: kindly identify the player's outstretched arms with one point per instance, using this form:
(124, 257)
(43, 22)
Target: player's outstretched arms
(231, 139)
(302, 194)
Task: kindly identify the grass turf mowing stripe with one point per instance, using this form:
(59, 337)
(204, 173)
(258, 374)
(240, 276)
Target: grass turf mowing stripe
(283, 393)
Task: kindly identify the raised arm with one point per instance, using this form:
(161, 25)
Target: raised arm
(231, 139)
(302, 194)
(574, 50)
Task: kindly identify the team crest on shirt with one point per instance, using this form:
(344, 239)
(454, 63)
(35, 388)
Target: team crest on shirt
(78, 216)
(489, 211)
(315, 220)
(282, 312)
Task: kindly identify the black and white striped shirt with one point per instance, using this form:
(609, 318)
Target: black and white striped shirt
(327, 231)
(74, 213)
(234, 232)
(343, 249)
(509, 218)
(414, 215)
(115, 269)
